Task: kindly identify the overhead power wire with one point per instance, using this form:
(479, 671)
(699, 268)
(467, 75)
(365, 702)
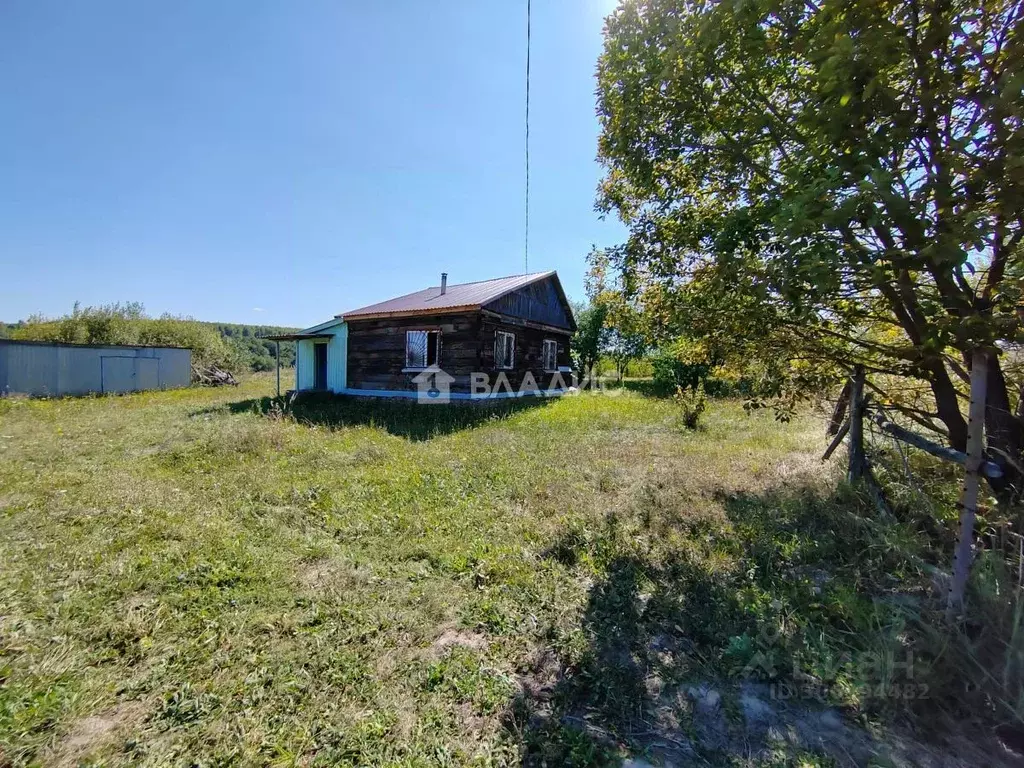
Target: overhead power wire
(526, 235)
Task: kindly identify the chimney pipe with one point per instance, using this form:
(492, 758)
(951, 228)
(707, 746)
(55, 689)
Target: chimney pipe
(444, 282)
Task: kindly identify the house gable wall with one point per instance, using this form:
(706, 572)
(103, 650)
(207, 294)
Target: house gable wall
(539, 302)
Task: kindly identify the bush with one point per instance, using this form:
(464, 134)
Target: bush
(229, 346)
(128, 324)
(256, 353)
(692, 403)
(716, 387)
(670, 373)
(684, 364)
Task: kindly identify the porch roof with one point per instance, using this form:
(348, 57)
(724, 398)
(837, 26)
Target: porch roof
(296, 336)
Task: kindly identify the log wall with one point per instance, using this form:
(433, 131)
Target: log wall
(376, 350)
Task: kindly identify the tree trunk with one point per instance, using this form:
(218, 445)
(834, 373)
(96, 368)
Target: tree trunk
(969, 498)
(839, 413)
(946, 404)
(1003, 430)
(858, 462)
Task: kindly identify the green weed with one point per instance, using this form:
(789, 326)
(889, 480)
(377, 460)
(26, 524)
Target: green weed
(199, 576)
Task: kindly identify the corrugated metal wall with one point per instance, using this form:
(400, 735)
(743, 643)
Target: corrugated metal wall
(304, 364)
(71, 369)
(337, 359)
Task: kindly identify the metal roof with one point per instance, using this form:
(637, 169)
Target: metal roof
(296, 336)
(76, 345)
(455, 297)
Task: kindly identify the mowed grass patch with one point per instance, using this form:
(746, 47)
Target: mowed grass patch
(194, 577)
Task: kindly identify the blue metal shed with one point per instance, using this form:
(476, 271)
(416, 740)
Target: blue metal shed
(54, 369)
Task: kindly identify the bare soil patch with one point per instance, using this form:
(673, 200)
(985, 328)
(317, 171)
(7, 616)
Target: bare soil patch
(90, 733)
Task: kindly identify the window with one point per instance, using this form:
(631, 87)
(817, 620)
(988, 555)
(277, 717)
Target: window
(549, 355)
(422, 349)
(504, 350)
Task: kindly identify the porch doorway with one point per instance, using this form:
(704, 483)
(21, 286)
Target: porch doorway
(320, 366)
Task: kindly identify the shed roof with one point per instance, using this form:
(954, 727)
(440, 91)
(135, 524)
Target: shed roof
(76, 345)
(455, 297)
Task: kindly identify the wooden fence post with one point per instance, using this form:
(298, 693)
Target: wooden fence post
(858, 462)
(972, 480)
(277, 357)
(839, 413)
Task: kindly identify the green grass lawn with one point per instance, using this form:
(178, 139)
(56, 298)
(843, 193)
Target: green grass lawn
(192, 577)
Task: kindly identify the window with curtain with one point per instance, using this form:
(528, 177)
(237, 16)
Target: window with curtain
(422, 349)
(549, 355)
(504, 349)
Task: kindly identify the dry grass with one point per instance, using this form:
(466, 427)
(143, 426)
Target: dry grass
(189, 581)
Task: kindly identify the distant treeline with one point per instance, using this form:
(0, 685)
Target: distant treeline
(231, 346)
(257, 351)
(7, 329)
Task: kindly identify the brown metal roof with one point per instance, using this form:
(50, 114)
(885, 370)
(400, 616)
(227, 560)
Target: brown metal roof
(456, 297)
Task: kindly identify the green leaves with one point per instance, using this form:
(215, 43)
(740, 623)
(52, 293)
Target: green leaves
(813, 179)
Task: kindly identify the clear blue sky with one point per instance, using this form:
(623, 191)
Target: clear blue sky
(279, 162)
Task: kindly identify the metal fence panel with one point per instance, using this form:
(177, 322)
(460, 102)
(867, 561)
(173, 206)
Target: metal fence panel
(47, 369)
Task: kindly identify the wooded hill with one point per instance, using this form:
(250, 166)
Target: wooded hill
(257, 351)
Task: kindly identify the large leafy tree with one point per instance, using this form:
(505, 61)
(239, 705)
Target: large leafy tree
(590, 338)
(838, 181)
(626, 332)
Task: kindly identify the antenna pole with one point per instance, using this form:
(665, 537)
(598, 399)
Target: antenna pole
(526, 236)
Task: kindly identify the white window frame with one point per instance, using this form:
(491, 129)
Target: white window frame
(551, 344)
(413, 365)
(511, 346)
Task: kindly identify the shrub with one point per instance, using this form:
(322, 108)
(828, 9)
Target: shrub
(128, 324)
(229, 346)
(717, 387)
(670, 373)
(692, 403)
(686, 363)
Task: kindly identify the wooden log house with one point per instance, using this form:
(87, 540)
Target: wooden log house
(512, 332)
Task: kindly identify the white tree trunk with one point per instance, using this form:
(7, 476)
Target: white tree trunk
(972, 481)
